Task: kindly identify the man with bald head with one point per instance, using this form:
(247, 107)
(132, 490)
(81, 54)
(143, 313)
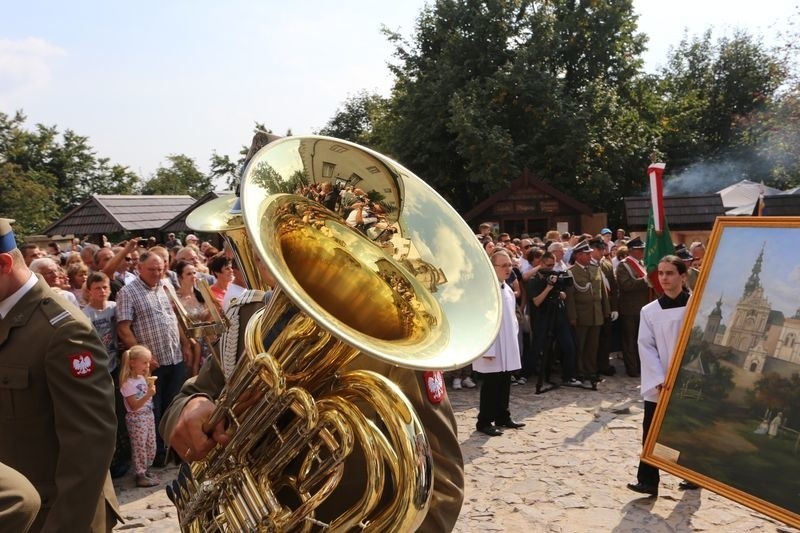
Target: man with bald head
(57, 422)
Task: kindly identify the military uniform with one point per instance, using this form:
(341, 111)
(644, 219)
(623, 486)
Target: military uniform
(587, 306)
(691, 277)
(634, 293)
(19, 501)
(437, 418)
(57, 421)
(604, 344)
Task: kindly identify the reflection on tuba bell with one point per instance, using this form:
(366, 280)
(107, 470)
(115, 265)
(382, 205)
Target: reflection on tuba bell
(421, 296)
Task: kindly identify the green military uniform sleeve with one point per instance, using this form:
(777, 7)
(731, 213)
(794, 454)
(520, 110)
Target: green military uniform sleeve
(82, 393)
(208, 382)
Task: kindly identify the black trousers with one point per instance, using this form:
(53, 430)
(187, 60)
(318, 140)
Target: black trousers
(629, 332)
(647, 474)
(604, 347)
(495, 392)
(555, 326)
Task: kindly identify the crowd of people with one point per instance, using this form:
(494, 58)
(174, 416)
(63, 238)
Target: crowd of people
(569, 303)
(119, 288)
(578, 300)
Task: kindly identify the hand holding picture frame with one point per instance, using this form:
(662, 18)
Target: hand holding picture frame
(728, 418)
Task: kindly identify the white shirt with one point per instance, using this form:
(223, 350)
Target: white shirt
(505, 349)
(658, 334)
(234, 291)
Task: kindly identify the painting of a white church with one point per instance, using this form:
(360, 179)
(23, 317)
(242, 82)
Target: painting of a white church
(766, 339)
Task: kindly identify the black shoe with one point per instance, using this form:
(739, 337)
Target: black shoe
(687, 485)
(511, 424)
(643, 489)
(160, 460)
(119, 469)
(490, 430)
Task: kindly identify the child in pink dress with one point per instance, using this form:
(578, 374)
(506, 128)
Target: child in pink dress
(138, 389)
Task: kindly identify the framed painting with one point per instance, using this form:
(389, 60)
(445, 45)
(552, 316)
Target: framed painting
(728, 417)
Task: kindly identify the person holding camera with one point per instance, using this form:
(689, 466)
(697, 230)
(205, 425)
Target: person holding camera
(550, 323)
(361, 217)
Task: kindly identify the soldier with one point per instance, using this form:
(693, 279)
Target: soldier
(587, 305)
(57, 421)
(19, 501)
(634, 293)
(600, 259)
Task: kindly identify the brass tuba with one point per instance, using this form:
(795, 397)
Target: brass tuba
(417, 292)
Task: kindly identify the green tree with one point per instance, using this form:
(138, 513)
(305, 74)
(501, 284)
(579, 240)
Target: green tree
(27, 198)
(358, 119)
(774, 392)
(64, 163)
(488, 88)
(222, 167)
(181, 176)
(710, 92)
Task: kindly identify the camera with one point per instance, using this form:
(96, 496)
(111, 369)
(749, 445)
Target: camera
(559, 280)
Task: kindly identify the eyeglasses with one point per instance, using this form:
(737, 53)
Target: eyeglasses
(504, 265)
(129, 259)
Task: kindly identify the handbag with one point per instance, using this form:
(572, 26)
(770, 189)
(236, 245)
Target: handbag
(523, 320)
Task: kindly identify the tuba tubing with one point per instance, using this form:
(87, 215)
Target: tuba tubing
(295, 415)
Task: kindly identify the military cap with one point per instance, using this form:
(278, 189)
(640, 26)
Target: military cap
(683, 253)
(582, 247)
(636, 242)
(7, 240)
(599, 244)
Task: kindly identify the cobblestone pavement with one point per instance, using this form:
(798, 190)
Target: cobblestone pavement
(564, 472)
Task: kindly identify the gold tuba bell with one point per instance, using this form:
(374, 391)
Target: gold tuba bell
(417, 291)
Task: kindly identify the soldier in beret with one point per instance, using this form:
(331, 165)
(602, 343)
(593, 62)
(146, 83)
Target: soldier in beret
(57, 421)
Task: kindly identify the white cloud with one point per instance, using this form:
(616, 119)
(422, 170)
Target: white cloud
(24, 65)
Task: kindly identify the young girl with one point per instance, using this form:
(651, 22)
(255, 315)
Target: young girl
(138, 389)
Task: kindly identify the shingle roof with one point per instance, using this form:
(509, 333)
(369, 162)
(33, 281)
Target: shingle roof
(111, 213)
(682, 212)
(177, 224)
(782, 205)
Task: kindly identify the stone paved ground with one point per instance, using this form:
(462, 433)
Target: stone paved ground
(564, 472)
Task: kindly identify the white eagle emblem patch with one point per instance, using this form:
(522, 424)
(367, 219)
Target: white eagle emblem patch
(81, 364)
(434, 386)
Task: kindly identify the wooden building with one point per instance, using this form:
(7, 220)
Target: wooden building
(529, 205)
(690, 218)
(119, 215)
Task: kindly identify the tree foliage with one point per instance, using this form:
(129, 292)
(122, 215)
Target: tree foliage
(45, 173)
(486, 88)
(358, 119)
(181, 176)
(714, 95)
(774, 392)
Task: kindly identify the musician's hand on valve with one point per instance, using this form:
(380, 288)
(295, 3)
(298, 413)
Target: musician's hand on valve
(188, 438)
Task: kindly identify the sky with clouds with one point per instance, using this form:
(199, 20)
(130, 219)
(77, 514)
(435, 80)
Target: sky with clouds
(733, 263)
(144, 80)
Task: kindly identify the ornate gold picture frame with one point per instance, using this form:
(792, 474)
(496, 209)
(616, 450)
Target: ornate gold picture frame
(728, 418)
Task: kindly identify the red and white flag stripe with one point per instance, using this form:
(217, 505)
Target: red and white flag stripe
(656, 171)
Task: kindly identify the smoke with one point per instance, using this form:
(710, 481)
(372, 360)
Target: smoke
(706, 177)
